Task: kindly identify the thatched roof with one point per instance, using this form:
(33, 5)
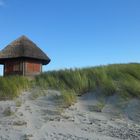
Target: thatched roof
(23, 48)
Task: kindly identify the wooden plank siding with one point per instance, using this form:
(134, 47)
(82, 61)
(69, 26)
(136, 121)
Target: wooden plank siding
(20, 67)
(32, 68)
(13, 68)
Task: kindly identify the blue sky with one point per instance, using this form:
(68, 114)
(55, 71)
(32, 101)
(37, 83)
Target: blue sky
(75, 33)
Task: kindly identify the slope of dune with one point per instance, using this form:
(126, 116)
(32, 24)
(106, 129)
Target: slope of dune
(44, 119)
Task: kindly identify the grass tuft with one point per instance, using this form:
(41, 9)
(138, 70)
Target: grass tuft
(68, 98)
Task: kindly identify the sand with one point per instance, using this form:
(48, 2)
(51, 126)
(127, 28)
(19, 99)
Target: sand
(44, 119)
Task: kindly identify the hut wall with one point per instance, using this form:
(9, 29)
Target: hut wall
(22, 67)
(13, 68)
(32, 68)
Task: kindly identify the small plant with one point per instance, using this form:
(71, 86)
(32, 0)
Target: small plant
(8, 112)
(67, 98)
(97, 108)
(100, 105)
(18, 102)
(37, 92)
(19, 123)
(27, 136)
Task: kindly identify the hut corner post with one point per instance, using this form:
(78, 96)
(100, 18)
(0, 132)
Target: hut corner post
(4, 70)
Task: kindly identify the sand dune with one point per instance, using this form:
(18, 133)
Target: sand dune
(43, 119)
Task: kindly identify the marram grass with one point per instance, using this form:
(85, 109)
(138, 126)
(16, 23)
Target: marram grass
(11, 87)
(122, 79)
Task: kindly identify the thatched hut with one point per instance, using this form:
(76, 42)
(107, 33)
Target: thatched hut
(23, 57)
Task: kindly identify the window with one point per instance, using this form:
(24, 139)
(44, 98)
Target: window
(33, 67)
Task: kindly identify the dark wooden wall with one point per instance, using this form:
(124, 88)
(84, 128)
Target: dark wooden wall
(13, 68)
(20, 67)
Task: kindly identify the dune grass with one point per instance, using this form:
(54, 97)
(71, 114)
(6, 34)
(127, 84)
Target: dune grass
(122, 79)
(68, 97)
(11, 87)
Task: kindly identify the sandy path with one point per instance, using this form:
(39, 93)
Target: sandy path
(40, 119)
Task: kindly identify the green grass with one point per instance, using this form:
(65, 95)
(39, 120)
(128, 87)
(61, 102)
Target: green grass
(122, 79)
(67, 98)
(11, 87)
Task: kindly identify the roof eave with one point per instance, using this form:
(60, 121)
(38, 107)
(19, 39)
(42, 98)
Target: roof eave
(43, 61)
